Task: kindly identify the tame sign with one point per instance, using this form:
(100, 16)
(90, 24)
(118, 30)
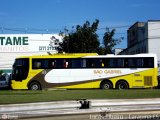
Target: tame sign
(13, 40)
(27, 43)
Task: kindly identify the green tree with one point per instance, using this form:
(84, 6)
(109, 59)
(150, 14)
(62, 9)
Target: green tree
(84, 39)
(109, 42)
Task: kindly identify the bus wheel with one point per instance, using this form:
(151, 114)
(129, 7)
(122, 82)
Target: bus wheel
(106, 85)
(34, 86)
(122, 85)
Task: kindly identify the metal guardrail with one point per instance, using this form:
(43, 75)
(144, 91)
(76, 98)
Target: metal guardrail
(80, 107)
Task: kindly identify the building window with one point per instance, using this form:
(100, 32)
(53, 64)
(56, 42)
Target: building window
(133, 33)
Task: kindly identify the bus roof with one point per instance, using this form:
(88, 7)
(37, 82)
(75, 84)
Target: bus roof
(121, 56)
(86, 55)
(68, 55)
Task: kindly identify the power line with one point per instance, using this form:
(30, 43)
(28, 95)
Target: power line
(37, 30)
(11, 29)
(44, 30)
(28, 30)
(115, 27)
(115, 33)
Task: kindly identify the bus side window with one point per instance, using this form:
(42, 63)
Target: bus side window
(53, 64)
(77, 63)
(83, 62)
(60, 63)
(65, 64)
(140, 63)
(111, 62)
(149, 62)
(95, 63)
(37, 65)
(131, 63)
(90, 63)
(45, 63)
(120, 62)
(101, 63)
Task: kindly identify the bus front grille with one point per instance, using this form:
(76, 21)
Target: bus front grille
(148, 80)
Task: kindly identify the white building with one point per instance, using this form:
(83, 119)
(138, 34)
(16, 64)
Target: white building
(153, 34)
(144, 37)
(15, 45)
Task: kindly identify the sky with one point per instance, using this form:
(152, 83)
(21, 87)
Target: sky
(52, 16)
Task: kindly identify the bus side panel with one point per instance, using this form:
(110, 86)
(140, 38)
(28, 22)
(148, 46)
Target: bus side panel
(142, 79)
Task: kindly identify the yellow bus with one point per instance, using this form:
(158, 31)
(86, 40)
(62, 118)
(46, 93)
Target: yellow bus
(79, 71)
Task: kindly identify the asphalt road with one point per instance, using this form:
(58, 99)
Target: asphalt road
(147, 109)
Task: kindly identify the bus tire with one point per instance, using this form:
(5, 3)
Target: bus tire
(35, 86)
(106, 84)
(122, 84)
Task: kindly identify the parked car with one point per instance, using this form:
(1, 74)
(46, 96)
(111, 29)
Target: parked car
(4, 81)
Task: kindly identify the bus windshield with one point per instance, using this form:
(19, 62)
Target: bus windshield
(20, 69)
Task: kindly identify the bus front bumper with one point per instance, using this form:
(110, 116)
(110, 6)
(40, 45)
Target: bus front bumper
(18, 85)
